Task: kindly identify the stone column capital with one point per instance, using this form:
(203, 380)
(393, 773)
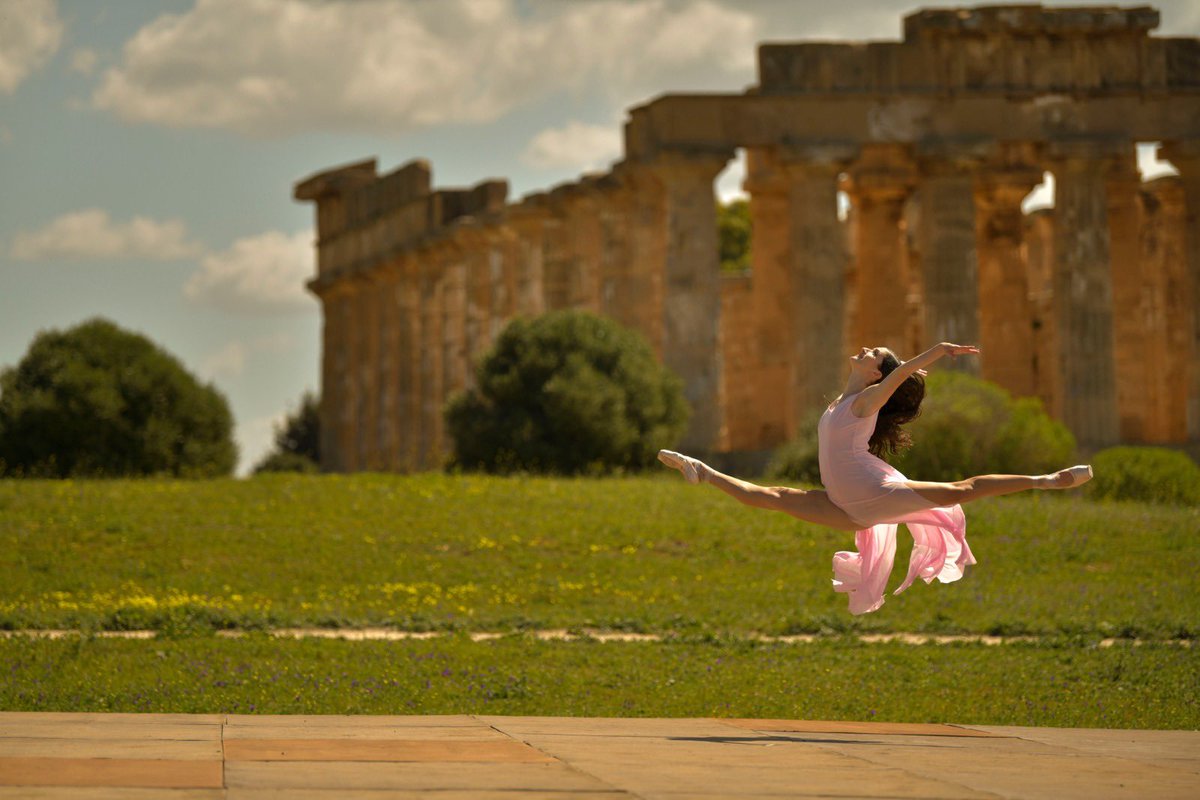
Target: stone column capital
(883, 172)
(946, 158)
(673, 166)
(822, 157)
(1088, 155)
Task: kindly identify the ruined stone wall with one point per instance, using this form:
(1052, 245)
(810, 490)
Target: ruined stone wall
(936, 139)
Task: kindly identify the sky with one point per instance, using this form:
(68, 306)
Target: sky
(148, 148)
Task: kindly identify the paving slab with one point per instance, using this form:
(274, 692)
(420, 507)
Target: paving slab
(142, 748)
(395, 750)
(148, 773)
(897, 728)
(106, 793)
(284, 731)
(240, 757)
(435, 776)
(1175, 748)
(101, 731)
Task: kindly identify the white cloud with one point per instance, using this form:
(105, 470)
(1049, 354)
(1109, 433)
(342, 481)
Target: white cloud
(30, 33)
(91, 235)
(1150, 165)
(266, 272)
(729, 182)
(84, 61)
(228, 362)
(256, 438)
(231, 359)
(275, 67)
(1041, 196)
(575, 145)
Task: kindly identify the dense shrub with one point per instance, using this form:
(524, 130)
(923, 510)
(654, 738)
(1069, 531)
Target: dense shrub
(567, 392)
(733, 235)
(282, 461)
(297, 440)
(797, 460)
(1148, 474)
(96, 400)
(967, 427)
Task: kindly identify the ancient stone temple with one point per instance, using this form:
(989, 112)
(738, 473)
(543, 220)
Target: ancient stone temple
(935, 139)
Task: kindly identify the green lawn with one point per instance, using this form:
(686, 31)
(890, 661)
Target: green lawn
(1063, 684)
(467, 553)
(479, 553)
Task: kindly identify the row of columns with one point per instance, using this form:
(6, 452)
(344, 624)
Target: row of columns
(758, 356)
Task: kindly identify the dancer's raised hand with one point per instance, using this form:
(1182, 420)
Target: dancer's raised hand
(955, 350)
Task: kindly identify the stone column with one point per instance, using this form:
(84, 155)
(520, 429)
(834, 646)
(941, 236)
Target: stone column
(1186, 158)
(388, 441)
(334, 295)
(611, 204)
(1006, 314)
(949, 269)
(477, 297)
(581, 239)
(692, 291)
(454, 326)
(556, 259)
(502, 272)
(1165, 309)
(757, 315)
(817, 267)
(368, 372)
(1131, 336)
(647, 221)
(528, 221)
(408, 362)
(429, 444)
(1082, 304)
(880, 182)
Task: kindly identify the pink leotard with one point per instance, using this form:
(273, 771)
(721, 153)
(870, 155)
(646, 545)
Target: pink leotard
(874, 495)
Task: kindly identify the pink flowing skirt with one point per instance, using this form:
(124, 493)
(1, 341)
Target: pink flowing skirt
(940, 547)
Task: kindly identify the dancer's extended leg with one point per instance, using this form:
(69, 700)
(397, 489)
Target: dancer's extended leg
(810, 506)
(964, 491)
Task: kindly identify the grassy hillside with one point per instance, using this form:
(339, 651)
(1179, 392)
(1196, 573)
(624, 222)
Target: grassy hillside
(479, 553)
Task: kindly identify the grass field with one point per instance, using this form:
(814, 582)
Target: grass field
(459, 553)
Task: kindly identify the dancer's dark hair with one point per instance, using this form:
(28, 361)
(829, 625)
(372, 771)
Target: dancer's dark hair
(902, 407)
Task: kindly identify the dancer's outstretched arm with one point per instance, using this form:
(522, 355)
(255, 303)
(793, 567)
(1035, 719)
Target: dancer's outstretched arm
(872, 398)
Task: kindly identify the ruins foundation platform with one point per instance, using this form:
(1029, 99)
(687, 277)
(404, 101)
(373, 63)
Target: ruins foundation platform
(130, 756)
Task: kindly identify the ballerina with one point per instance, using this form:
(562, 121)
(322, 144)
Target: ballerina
(866, 494)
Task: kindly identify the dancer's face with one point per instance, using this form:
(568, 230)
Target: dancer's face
(868, 362)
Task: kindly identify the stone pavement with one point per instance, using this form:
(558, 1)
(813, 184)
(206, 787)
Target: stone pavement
(132, 756)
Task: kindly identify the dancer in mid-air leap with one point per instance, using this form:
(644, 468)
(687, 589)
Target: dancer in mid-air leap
(866, 494)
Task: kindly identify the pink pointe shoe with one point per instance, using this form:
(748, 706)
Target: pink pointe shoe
(1079, 475)
(692, 469)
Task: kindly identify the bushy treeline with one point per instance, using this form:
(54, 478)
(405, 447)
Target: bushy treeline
(567, 393)
(99, 401)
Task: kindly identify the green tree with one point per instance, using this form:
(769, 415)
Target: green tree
(97, 400)
(297, 440)
(567, 392)
(733, 233)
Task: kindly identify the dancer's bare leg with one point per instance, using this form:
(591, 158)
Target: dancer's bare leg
(965, 491)
(810, 506)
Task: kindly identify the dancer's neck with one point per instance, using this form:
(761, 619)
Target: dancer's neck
(855, 384)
